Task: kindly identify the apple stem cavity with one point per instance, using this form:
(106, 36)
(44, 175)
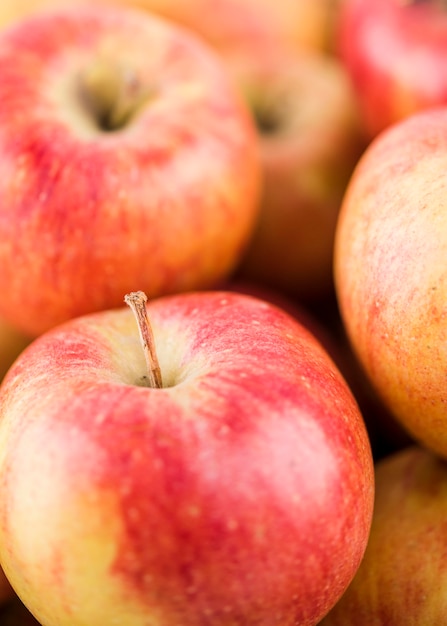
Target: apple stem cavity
(137, 302)
(112, 97)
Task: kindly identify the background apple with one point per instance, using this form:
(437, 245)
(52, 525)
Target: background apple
(127, 159)
(239, 492)
(390, 273)
(242, 26)
(226, 24)
(395, 53)
(402, 577)
(308, 152)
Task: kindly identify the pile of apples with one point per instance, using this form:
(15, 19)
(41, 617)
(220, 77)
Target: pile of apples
(223, 321)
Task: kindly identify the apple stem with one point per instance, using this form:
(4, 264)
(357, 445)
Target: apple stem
(137, 302)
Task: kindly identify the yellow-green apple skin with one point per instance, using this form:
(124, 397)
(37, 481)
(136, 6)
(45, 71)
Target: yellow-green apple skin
(127, 160)
(308, 152)
(12, 343)
(390, 272)
(402, 577)
(240, 492)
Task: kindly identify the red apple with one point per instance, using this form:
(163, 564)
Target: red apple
(402, 577)
(395, 52)
(390, 271)
(127, 158)
(308, 152)
(238, 492)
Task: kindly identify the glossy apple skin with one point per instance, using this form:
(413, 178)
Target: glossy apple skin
(308, 152)
(402, 578)
(395, 53)
(390, 276)
(165, 203)
(239, 493)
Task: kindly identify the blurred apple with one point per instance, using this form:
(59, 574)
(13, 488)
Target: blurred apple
(391, 274)
(12, 342)
(226, 24)
(236, 490)
(239, 27)
(402, 577)
(127, 158)
(395, 52)
(309, 149)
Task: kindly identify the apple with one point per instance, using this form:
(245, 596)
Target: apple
(226, 24)
(242, 26)
(308, 153)
(208, 465)
(402, 577)
(395, 54)
(127, 158)
(12, 342)
(390, 273)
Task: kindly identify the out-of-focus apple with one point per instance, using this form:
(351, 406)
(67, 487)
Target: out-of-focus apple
(238, 25)
(308, 152)
(402, 578)
(241, 27)
(391, 275)
(395, 52)
(240, 491)
(127, 158)
(12, 342)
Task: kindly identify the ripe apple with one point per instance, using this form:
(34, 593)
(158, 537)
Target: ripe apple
(227, 24)
(12, 342)
(240, 491)
(402, 577)
(390, 271)
(395, 53)
(127, 158)
(308, 152)
(243, 26)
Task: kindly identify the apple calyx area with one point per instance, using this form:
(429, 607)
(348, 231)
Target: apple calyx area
(111, 97)
(137, 302)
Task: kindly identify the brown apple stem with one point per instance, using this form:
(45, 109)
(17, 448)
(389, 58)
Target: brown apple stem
(137, 302)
